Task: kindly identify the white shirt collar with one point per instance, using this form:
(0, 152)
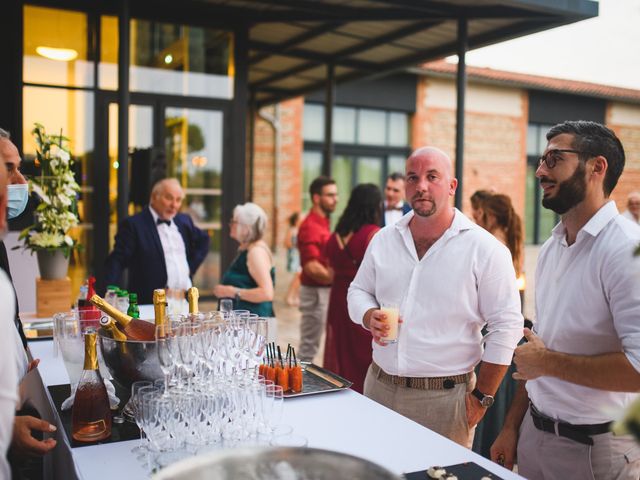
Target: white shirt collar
(155, 215)
(594, 226)
(459, 224)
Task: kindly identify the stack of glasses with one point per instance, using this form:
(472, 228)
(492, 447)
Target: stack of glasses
(212, 395)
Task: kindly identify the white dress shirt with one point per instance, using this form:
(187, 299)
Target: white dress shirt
(9, 350)
(464, 281)
(391, 217)
(175, 254)
(588, 303)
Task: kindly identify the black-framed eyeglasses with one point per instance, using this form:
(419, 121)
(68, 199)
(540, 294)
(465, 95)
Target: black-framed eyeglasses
(552, 156)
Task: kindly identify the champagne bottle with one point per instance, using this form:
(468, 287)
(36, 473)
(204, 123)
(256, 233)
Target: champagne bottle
(110, 326)
(133, 328)
(160, 308)
(192, 296)
(91, 416)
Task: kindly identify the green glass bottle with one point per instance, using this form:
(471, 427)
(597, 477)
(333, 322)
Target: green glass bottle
(133, 310)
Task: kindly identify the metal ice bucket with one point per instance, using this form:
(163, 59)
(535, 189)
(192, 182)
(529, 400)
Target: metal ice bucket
(275, 464)
(129, 361)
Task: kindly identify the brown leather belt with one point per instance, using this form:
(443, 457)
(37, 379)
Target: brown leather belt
(421, 383)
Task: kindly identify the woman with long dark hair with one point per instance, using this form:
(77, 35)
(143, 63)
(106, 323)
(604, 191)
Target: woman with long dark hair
(347, 349)
(495, 213)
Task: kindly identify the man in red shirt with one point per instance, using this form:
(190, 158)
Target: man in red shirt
(316, 276)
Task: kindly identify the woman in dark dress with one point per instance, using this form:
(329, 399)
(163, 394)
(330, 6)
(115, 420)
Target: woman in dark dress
(347, 349)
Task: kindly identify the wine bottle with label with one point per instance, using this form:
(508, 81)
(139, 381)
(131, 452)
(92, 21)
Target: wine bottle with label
(91, 415)
(133, 328)
(192, 296)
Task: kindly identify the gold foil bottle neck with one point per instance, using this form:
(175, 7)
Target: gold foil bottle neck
(122, 318)
(160, 309)
(192, 296)
(90, 351)
(110, 326)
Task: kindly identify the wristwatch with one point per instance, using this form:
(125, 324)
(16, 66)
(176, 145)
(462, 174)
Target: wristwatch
(485, 400)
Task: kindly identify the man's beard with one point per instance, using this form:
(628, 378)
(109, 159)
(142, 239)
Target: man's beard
(327, 210)
(423, 212)
(570, 192)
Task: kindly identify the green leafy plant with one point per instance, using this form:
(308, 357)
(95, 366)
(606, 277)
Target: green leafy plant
(57, 188)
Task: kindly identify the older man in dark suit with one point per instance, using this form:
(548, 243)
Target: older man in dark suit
(159, 246)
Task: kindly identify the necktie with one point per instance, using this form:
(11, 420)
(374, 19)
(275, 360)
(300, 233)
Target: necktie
(160, 221)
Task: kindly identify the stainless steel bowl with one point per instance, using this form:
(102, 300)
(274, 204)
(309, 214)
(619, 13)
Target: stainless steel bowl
(129, 361)
(275, 464)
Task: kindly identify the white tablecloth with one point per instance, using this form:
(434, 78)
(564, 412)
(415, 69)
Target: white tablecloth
(342, 421)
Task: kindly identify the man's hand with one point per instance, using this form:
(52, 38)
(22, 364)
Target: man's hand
(33, 364)
(475, 411)
(23, 443)
(503, 451)
(530, 358)
(375, 321)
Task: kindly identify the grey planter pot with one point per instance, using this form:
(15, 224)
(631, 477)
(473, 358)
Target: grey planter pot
(52, 264)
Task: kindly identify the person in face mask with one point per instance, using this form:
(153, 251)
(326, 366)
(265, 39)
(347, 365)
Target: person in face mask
(17, 196)
(26, 446)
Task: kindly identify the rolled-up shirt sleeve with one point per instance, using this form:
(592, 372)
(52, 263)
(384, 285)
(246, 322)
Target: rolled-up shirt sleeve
(499, 304)
(361, 295)
(623, 294)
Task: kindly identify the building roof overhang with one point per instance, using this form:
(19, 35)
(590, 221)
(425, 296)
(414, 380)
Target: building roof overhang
(291, 42)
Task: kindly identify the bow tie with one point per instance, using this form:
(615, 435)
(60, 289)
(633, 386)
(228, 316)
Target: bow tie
(393, 208)
(160, 221)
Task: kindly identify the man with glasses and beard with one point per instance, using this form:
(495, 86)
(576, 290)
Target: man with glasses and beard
(316, 276)
(583, 361)
(450, 278)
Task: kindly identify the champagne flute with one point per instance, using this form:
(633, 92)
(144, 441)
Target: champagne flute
(165, 355)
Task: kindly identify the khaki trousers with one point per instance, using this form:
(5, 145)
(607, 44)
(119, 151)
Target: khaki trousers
(314, 302)
(443, 411)
(545, 456)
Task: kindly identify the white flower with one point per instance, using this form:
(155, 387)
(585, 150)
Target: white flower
(46, 239)
(68, 240)
(59, 153)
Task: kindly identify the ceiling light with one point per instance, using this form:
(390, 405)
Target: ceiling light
(60, 54)
(168, 59)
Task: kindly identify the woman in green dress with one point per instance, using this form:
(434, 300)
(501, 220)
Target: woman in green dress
(250, 279)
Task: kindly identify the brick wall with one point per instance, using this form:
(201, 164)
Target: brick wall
(277, 188)
(495, 140)
(495, 146)
(624, 119)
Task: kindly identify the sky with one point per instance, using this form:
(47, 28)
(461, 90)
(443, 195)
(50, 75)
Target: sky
(605, 49)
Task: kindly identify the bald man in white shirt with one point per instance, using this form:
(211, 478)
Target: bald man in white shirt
(450, 278)
(583, 363)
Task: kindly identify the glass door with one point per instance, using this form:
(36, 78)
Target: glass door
(166, 139)
(193, 141)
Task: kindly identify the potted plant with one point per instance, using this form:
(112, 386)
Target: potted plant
(56, 214)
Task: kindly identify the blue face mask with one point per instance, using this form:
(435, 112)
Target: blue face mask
(17, 199)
